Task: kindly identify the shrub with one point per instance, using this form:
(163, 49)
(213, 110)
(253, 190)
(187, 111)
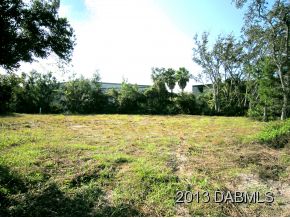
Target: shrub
(186, 103)
(276, 134)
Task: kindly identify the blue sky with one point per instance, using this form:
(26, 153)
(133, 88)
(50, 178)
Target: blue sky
(78, 10)
(123, 39)
(193, 16)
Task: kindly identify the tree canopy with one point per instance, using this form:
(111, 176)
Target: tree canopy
(33, 29)
(182, 76)
(251, 72)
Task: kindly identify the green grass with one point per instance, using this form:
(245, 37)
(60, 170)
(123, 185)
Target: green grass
(276, 134)
(133, 165)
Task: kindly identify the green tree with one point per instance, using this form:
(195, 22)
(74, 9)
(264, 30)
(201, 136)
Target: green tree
(157, 96)
(130, 99)
(29, 97)
(222, 66)
(32, 29)
(233, 91)
(83, 95)
(48, 86)
(210, 63)
(99, 98)
(233, 87)
(266, 98)
(268, 29)
(182, 76)
(38, 91)
(170, 79)
(9, 86)
(159, 82)
(186, 103)
(158, 77)
(111, 103)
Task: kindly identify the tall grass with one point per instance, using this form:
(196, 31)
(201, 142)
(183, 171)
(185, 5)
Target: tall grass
(276, 134)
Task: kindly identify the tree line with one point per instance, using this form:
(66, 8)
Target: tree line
(42, 93)
(247, 75)
(250, 74)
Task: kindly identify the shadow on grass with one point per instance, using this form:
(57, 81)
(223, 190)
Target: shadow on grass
(10, 184)
(10, 115)
(279, 142)
(267, 166)
(119, 210)
(18, 198)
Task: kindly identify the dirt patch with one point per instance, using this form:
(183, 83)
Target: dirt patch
(256, 158)
(78, 126)
(182, 210)
(179, 162)
(252, 182)
(245, 181)
(172, 163)
(271, 172)
(279, 142)
(266, 164)
(124, 168)
(180, 159)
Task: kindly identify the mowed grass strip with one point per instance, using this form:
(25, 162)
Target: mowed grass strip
(133, 165)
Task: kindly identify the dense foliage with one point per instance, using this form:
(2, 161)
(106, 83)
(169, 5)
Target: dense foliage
(276, 134)
(32, 29)
(42, 93)
(247, 75)
(250, 75)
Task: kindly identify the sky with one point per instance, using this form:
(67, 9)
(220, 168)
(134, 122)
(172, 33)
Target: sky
(124, 39)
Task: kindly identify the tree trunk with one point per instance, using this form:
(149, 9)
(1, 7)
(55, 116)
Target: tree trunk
(265, 115)
(284, 85)
(284, 107)
(287, 77)
(216, 98)
(246, 96)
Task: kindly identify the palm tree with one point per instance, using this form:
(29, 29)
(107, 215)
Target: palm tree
(158, 78)
(170, 79)
(182, 76)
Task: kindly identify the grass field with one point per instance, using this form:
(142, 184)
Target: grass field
(131, 165)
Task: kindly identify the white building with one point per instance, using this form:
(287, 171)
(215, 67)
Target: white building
(117, 86)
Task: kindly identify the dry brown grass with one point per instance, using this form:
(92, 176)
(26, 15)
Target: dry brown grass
(133, 165)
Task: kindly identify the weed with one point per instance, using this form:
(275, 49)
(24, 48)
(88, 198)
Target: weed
(276, 134)
(120, 165)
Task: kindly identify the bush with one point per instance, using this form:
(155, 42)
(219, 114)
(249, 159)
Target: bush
(186, 103)
(8, 88)
(276, 134)
(130, 99)
(205, 105)
(157, 100)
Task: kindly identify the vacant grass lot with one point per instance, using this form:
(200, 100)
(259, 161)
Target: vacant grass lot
(123, 165)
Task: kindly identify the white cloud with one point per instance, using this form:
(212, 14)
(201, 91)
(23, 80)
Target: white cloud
(64, 10)
(124, 39)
